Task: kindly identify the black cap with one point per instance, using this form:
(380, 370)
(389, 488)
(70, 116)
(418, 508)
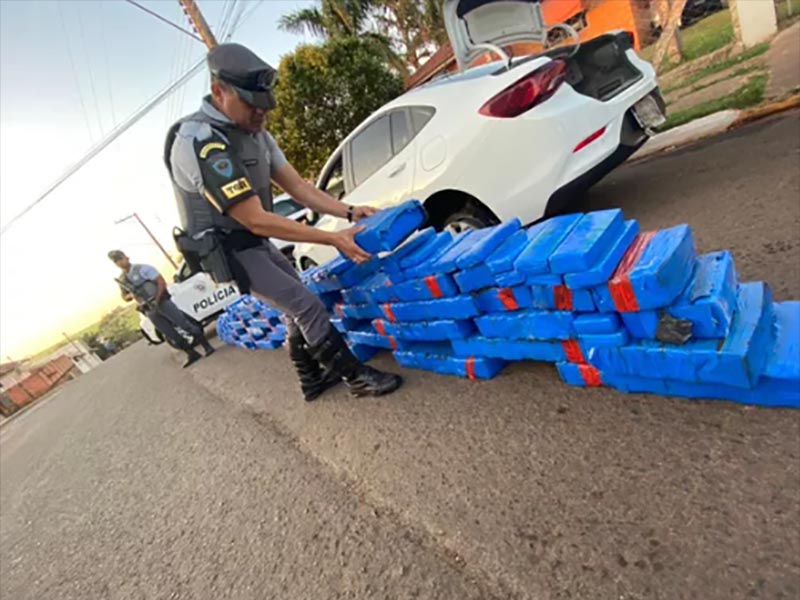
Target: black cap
(239, 67)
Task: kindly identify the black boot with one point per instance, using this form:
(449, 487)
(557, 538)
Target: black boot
(208, 349)
(334, 355)
(192, 356)
(313, 380)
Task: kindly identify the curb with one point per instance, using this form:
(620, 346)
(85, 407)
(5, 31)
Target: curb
(711, 125)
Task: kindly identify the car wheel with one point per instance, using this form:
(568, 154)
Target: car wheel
(469, 218)
(306, 264)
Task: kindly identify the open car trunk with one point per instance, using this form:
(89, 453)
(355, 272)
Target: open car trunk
(598, 68)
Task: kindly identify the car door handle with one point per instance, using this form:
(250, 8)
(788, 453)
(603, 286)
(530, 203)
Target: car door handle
(397, 171)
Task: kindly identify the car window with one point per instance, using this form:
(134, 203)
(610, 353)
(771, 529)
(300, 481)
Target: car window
(400, 133)
(420, 115)
(333, 182)
(371, 149)
(286, 207)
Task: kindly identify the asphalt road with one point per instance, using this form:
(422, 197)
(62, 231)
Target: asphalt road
(144, 481)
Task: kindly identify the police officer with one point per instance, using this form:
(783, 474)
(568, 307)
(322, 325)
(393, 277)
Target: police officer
(222, 163)
(147, 287)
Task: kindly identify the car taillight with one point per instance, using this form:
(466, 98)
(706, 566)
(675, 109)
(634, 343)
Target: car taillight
(524, 94)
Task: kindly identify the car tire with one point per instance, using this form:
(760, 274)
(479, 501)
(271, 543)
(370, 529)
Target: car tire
(306, 264)
(468, 218)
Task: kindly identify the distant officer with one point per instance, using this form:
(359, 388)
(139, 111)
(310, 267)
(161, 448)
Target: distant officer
(222, 163)
(147, 287)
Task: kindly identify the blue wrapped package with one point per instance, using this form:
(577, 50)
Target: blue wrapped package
(426, 252)
(548, 279)
(387, 228)
(390, 263)
(474, 279)
(358, 311)
(596, 323)
(481, 250)
(371, 338)
(546, 237)
(710, 298)
(641, 325)
(509, 279)
(616, 339)
(587, 242)
(581, 375)
(379, 287)
(502, 259)
(330, 299)
(527, 325)
(342, 274)
(654, 271)
(445, 262)
(470, 367)
(707, 303)
(354, 295)
(256, 333)
(343, 325)
(767, 392)
(265, 344)
(512, 350)
(459, 307)
(432, 331)
(604, 268)
(427, 288)
(560, 297)
(738, 361)
(504, 299)
(443, 348)
(782, 371)
(363, 353)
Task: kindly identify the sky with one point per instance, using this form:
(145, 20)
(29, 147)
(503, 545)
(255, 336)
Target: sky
(69, 71)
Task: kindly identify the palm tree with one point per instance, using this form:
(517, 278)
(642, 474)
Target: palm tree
(333, 18)
(342, 18)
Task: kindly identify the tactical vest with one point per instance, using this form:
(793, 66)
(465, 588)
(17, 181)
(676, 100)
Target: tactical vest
(142, 289)
(196, 212)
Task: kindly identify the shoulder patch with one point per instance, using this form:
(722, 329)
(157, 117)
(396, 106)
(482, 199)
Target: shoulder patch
(209, 147)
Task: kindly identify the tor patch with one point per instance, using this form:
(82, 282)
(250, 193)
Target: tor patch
(223, 166)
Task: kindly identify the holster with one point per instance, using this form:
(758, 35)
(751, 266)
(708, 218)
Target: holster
(215, 253)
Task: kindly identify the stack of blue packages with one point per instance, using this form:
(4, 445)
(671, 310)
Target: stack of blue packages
(609, 304)
(252, 324)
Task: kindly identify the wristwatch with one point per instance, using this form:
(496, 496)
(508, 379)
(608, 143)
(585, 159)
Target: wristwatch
(350, 214)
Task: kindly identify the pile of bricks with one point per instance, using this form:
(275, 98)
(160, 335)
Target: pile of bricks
(609, 304)
(252, 324)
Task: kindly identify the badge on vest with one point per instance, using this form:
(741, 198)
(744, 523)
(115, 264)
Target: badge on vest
(223, 166)
(236, 188)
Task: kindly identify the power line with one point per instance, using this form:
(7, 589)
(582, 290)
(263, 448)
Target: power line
(89, 68)
(117, 131)
(75, 72)
(167, 21)
(113, 135)
(108, 71)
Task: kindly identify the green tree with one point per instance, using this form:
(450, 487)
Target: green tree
(406, 31)
(325, 91)
(339, 19)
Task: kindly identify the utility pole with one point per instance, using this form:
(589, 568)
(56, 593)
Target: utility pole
(152, 237)
(197, 20)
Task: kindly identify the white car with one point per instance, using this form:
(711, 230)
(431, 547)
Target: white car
(200, 297)
(518, 137)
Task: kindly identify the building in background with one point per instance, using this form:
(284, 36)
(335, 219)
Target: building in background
(24, 382)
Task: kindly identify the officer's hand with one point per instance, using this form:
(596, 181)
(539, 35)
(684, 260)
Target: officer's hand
(362, 212)
(345, 242)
